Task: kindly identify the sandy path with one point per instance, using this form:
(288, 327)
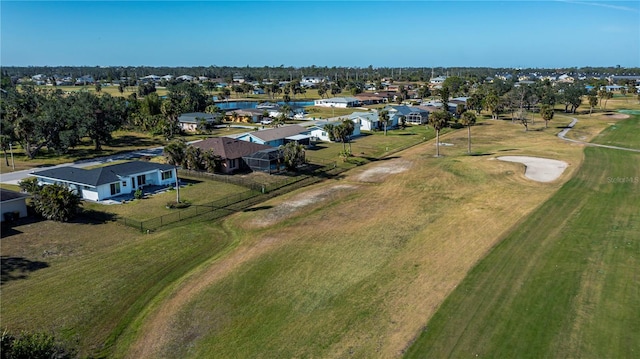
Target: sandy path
(539, 169)
(156, 329)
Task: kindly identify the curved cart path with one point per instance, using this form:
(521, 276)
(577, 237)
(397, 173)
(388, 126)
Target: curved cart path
(564, 132)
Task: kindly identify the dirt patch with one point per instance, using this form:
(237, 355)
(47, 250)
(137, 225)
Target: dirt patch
(288, 208)
(538, 169)
(381, 171)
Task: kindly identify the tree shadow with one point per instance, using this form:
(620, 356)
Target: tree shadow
(481, 154)
(14, 268)
(93, 217)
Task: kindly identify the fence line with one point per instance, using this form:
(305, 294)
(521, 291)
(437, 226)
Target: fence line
(235, 202)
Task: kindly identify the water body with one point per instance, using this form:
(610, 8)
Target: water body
(254, 104)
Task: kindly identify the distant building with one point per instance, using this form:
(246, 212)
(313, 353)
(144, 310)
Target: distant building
(339, 102)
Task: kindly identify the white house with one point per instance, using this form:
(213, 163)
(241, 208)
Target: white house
(109, 181)
(189, 121)
(367, 121)
(318, 131)
(339, 102)
(13, 204)
(437, 80)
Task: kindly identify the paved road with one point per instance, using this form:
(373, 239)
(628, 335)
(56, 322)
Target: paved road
(15, 177)
(564, 132)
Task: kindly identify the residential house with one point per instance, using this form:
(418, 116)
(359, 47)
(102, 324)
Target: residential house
(278, 136)
(367, 121)
(85, 80)
(187, 78)
(13, 205)
(413, 115)
(190, 121)
(251, 115)
(367, 98)
(339, 102)
(231, 151)
(319, 133)
(109, 181)
(436, 82)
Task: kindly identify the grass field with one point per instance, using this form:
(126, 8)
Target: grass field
(564, 283)
(354, 266)
(356, 269)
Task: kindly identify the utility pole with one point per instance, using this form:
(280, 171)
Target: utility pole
(177, 187)
(13, 163)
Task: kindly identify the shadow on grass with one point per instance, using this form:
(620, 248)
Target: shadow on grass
(255, 209)
(14, 268)
(93, 217)
(481, 154)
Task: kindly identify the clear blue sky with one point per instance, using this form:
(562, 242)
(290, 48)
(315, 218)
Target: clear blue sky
(542, 34)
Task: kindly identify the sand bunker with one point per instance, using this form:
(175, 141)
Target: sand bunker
(616, 116)
(538, 169)
(380, 171)
(287, 209)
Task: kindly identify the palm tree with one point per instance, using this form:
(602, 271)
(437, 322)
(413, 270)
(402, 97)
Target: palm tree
(294, 155)
(438, 120)
(349, 126)
(492, 103)
(174, 152)
(383, 116)
(468, 119)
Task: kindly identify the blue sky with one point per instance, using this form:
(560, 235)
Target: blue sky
(541, 34)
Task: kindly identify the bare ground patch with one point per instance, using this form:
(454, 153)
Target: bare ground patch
(298, 202)
(380, 171)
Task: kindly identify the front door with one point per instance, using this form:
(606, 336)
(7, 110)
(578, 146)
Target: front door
(133, 183)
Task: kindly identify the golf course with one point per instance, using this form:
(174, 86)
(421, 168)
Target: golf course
(410, 255)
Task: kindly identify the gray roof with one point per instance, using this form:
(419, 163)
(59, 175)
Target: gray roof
(406, 110)
(192, 117)
(102, 175)
(229, 148)
(279, 132)
(7, 195)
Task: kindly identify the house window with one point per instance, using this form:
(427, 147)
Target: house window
(124, 183)
(232, 163)
(115, 188)
(166, 175)
(142, 180)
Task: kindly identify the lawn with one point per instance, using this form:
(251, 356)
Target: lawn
(562, 284)
(195, 191)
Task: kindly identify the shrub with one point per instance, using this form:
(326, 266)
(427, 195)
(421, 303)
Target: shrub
(138, 194)
(178, 205)
(33, 346)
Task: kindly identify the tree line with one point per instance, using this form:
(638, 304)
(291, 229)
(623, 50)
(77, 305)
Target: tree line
(288, 73)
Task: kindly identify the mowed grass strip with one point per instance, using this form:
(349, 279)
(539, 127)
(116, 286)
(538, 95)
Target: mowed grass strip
(563, 284)
(359, 271)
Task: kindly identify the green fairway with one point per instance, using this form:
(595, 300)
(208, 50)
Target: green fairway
(625, 134)
(563, 284)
